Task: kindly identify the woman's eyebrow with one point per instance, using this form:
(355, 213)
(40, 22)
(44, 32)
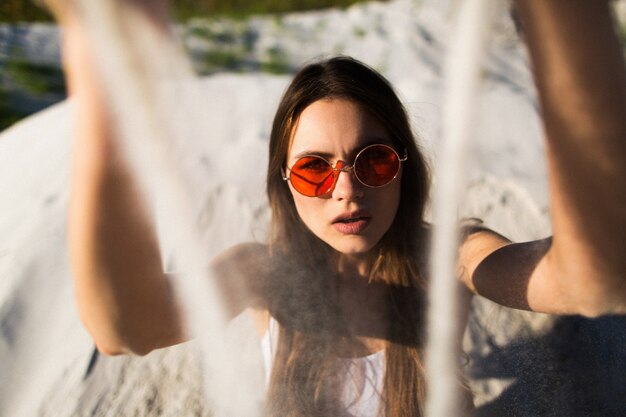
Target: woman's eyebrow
(374, 140)
(325, 155)
(364, 143)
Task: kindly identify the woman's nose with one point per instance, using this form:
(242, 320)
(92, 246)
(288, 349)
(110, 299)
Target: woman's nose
(347, 186)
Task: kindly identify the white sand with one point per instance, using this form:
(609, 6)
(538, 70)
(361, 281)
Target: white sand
(44, 351)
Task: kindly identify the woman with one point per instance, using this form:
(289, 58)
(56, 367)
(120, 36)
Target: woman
(343, 275)
(359, 227)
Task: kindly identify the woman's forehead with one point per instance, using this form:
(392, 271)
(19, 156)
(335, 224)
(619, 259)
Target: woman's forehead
(335, 127)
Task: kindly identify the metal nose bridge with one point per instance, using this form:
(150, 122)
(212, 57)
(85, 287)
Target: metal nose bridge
(341, 166)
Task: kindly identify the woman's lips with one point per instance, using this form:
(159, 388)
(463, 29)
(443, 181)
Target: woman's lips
(351, 224)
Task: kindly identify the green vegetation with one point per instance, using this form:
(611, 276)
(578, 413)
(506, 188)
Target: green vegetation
(13, 11)
(42, 82)
(30, 10)
(219, 44)
(184, 9)
(226, 43)
(276, 62)
(35, 78)
(8, 115)
(232, 48)
(359, 32)
(219, 60)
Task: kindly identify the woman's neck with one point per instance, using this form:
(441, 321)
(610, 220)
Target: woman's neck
(354, 266)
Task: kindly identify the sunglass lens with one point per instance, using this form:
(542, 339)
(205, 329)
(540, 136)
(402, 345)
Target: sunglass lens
(311, 176)
(377, 165)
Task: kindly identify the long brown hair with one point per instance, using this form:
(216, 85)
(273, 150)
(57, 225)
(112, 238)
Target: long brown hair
(303, 280)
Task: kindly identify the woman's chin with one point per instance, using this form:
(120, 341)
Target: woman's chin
(354, 246)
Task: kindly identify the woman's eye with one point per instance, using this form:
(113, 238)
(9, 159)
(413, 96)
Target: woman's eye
(376, 154)
(315, 164)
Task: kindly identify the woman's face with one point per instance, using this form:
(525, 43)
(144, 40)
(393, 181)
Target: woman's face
(352, 217)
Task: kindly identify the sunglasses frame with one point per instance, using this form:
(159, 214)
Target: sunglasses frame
(341, 166)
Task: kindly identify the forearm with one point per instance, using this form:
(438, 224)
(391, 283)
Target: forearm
(123, 297)
(581, 79)
(578, 65)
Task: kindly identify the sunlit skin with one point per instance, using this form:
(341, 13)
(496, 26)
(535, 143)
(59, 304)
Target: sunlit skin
(338, 129)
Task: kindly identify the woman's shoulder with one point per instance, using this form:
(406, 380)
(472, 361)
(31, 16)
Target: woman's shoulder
(242, 272)
(476, 242)
(250, 260)
(475, 234)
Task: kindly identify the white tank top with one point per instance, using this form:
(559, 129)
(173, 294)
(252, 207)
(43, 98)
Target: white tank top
(362, 380)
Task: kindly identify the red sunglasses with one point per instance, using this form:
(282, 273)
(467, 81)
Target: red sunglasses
(374, 166)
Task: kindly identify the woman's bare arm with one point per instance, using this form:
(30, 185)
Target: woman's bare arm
(581, 78)
(123, 296)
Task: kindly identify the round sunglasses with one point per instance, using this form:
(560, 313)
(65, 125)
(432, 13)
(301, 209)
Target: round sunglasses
(374, 166)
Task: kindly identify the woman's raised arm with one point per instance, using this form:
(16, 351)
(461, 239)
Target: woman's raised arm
(124, 298)
(581, 78)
